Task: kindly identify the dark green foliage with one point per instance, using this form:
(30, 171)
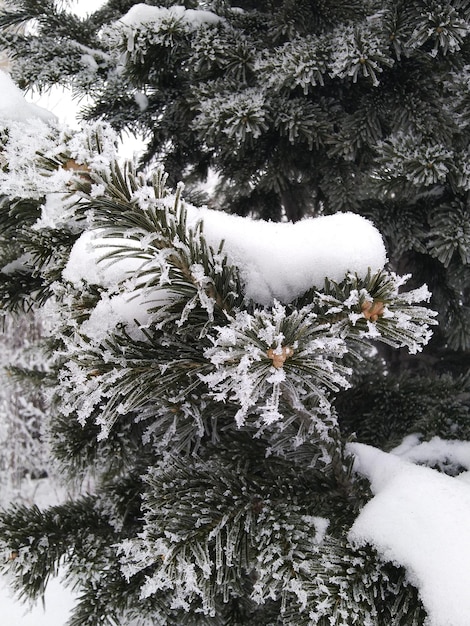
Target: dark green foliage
(67, 528)
(179, 486)
(394, 406)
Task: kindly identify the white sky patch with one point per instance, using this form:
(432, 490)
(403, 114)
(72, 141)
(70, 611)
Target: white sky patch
(57, 608)
(60, 102)
(419, 518)
(56, 104)
(82, 8)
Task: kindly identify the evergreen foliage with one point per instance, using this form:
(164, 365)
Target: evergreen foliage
(214, 429)
(214, 474)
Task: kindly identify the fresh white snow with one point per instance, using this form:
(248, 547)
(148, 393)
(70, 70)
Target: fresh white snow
(419, 518)
(14, 106)
(277, 261)
(281, 261)
(144, 15)
(85, 261)
(437, 452)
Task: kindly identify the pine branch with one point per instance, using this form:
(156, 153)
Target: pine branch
(217, 516)
(39, 541)
(436, 407)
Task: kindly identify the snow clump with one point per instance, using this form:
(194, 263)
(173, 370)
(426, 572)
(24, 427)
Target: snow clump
(14, 106)
(141, 14)
(281, 261)
(419, 519)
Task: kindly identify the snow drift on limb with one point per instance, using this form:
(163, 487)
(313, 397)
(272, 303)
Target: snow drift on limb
(14, 106)
(419, 519)
(144, 15)
(276, 261)
(281, 261)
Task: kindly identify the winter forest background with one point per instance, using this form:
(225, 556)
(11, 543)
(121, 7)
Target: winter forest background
(236, 364)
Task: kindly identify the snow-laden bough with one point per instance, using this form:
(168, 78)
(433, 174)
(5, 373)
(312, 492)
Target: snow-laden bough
(419, 519)
(281, 260)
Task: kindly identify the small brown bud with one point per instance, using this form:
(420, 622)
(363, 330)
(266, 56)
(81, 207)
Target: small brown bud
(82, 170)
(279, 357)
(372, 310)
(71, 164)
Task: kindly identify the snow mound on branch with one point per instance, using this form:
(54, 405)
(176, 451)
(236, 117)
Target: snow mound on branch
(13, 105)
(86, 262)
(277, 261)
(126, 309)
(281, 261)
(442, 453)
(141, 14)
(419, 519)
(120, 304)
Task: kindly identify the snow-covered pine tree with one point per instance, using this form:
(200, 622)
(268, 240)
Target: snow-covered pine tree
(205, 398)
(197, 401)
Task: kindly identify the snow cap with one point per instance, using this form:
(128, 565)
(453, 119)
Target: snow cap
(141, 14)
(14, 106)
(281, 261)
(419, 519)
